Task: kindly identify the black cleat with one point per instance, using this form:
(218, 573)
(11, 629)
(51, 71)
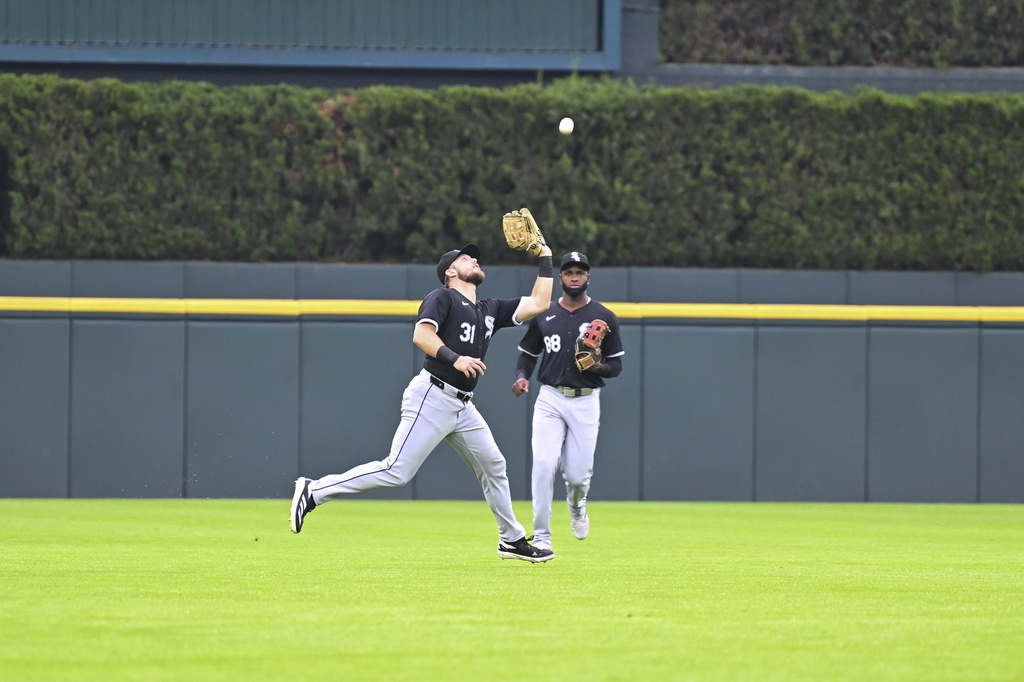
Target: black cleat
(524, 551)
(302, 503)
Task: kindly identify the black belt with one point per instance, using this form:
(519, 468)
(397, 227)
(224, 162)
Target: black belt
(451, 390)
(570, 392)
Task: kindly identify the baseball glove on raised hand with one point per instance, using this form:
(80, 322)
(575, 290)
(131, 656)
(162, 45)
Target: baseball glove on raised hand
(521, 231)
(588, 345)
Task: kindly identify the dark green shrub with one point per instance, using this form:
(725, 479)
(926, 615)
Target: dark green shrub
(919, 33)
(739, 177)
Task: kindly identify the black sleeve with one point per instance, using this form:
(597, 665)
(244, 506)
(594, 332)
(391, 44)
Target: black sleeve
(525, 365)
(532, 342)
(610, 367)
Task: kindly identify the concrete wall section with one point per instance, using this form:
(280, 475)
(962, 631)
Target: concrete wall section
(698, 414)
(242, 397)
(413, 282)
(923, 415)
(127, 408)
(240, 280)
(352, 378)
(1001, 441)
(373, 282)
(902, 288)
(35, 278)
(127, 279)
(782, 286)
(34, 384)
(617, 467)
(671, 285)
(992, 288)
(105, 404)
(811, 385)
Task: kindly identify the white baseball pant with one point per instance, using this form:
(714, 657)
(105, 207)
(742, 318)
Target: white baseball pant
(564, 436)
(429, 416)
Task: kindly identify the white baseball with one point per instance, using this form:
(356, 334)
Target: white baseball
(565, 126)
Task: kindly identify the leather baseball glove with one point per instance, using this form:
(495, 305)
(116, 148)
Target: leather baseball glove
(588, 345)
(521, 231)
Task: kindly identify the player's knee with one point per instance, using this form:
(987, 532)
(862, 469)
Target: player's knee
(577, 480)
(396, 477)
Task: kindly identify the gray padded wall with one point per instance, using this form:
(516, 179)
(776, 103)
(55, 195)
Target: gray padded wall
(127, 408)
(34, 407)
(811, 383)
(1001, 442)
(378, 282)
(240, 280)
(617, 459)
(783, 286)
(671, 285)
(242, 393)
(127, 279)
(353, 376)
(922, 415)
(698, 418)
(35, 278)
(98, 404)
(991, 288)
(902, 288)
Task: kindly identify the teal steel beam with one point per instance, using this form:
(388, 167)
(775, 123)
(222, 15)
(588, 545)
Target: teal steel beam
(607, 57)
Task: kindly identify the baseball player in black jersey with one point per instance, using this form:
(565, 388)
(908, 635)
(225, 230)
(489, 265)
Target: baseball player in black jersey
(454, 328)
(567, 412)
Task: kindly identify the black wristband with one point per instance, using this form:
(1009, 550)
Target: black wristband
(446, 354)
(545, 267)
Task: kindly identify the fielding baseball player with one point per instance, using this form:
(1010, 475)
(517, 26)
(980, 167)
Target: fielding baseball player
(577, 340)
(454, 328)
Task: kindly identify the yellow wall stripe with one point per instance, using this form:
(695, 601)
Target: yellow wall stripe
(296, 308)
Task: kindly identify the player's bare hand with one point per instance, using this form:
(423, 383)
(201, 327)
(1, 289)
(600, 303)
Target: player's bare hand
(520, 387)
(471, 367)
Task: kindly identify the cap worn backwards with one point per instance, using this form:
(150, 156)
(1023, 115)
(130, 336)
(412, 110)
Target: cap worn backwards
(471, 250)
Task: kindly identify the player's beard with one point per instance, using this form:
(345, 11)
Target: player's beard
(575, 293)
(473, 277)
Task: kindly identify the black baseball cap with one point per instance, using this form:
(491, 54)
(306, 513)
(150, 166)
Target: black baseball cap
(471, 250)
(575, 258)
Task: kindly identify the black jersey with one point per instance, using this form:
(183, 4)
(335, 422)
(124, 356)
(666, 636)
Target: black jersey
(554, 334)
(464, 327)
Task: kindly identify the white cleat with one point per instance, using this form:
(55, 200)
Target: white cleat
(302, 503)
(581, 527)
(540, 541)
(580, 521)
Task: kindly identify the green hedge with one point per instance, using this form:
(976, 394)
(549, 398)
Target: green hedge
(109, 170)
(742, 177)
(917, 33)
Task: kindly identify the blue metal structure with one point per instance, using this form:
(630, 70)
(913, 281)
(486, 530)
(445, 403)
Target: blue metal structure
(557, 35)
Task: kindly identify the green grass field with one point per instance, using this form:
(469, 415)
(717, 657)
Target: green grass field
(385, 590)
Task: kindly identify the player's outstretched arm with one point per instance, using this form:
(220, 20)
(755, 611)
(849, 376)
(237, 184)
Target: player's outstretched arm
(540, 298)
(523, 234)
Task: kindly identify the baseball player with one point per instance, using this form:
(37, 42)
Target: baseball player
(567, 412)
(454, 328)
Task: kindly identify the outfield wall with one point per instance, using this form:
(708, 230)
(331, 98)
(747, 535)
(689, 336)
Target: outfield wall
(122, 379)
